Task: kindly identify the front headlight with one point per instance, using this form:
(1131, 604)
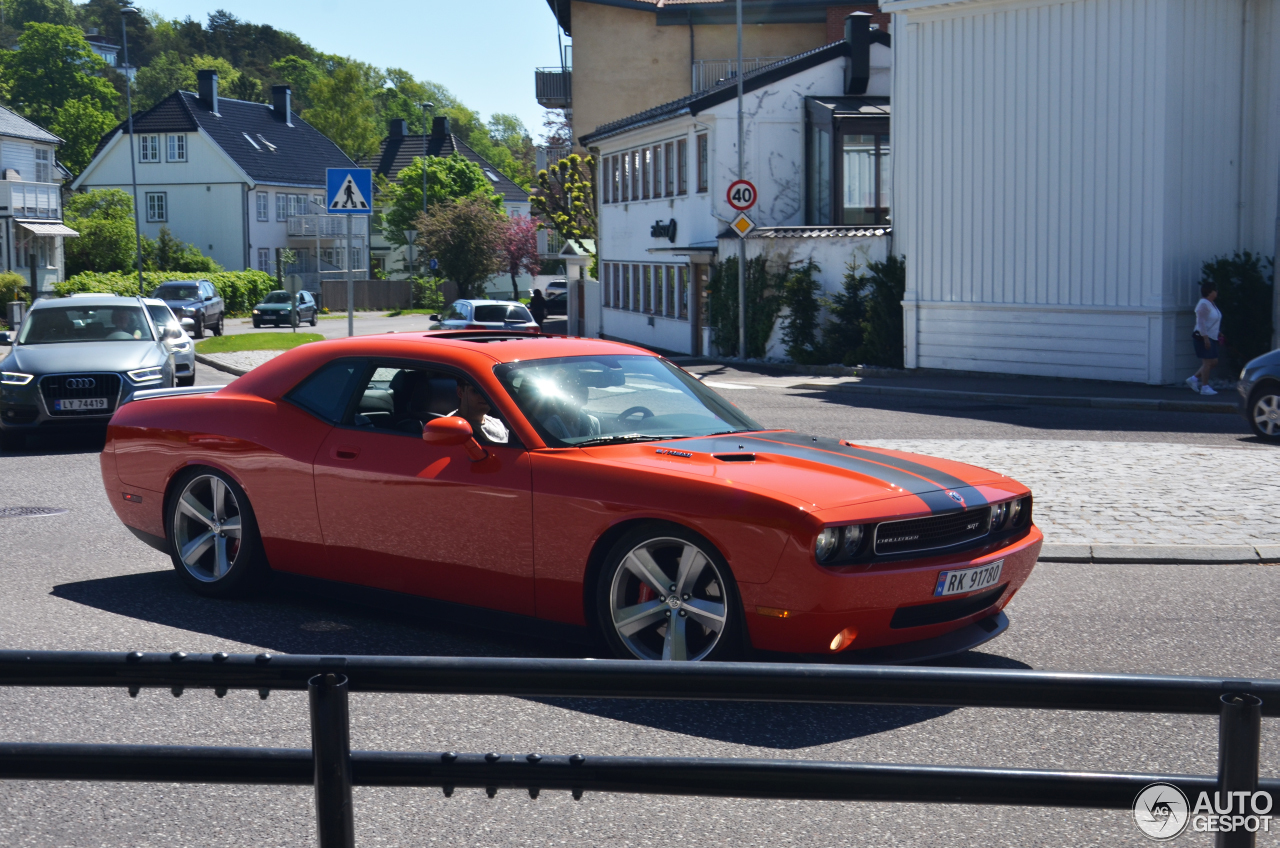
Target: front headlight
(838, 543)
(999, 512)
(256, 312)
(190, 310)
(181, 347)
(146, 375)
(14, 378)
(824, 549)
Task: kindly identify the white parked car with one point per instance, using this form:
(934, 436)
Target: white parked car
(485, 315)
(179, 343)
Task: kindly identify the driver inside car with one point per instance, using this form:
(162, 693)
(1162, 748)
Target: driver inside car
(473, 407)
(559, 406)
(125, 321)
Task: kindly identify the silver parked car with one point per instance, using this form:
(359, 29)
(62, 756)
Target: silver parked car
(75, 360)
(177, 339)
(485, 315)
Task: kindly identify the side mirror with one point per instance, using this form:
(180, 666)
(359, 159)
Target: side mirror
(171, 332)
(435, 317)
(451, 432)
(208, 298)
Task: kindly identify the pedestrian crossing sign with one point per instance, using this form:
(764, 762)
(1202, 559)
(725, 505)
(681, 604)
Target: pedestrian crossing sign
(350, 191)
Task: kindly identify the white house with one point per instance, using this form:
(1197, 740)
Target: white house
(816, 148)
(238, 180)
(31, 225)
(1063, 169)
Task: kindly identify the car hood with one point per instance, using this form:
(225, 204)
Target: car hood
(184, 304)
(815, 473)
(84, 356)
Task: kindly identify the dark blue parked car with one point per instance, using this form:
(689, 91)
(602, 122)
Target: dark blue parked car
(194, 299)
(1259, 389)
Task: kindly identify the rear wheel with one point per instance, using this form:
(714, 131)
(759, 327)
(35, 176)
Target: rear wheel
(217, 328)
(1264, 412)
(213, 537)
(666, 594)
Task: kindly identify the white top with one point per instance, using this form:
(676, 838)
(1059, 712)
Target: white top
(491, 428)
(1208, 319)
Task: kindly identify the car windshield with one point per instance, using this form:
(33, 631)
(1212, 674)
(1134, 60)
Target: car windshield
(601, 399)
(277, 297)
(59, 324)
(496, 313)
(161, 314)
(177, 292)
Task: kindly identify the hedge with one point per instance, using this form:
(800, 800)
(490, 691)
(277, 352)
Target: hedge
(240, 290)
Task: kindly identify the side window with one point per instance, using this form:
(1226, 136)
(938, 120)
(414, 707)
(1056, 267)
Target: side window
(402, 399)
(326, 392)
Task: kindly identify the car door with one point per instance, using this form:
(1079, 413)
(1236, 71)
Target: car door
(400, 514)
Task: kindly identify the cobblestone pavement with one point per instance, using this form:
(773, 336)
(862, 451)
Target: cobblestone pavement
(1132, 492)
(246, 359)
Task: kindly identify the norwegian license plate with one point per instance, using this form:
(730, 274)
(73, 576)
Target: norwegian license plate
(963, 580)
(76, 404)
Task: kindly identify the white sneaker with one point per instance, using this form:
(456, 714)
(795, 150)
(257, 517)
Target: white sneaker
(1207, 390)
(1194, 382)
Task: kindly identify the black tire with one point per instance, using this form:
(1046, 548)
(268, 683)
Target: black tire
(257, 322)
(187, 381)
(221, 569)
(12, 442)
(200, 326)
(712, 596)
(217, 328)
(314, 319)
(1263, 412)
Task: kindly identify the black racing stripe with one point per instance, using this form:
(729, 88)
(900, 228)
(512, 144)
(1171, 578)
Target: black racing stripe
(944, 480)
(820, 452)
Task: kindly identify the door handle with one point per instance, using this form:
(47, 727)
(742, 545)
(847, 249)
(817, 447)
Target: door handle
(344, 452)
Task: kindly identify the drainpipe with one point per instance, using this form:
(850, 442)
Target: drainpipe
(1246, 65)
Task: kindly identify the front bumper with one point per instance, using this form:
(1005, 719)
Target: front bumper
(26, 409)
(884, 606)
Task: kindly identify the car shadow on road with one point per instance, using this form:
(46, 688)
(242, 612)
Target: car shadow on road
(282, 620)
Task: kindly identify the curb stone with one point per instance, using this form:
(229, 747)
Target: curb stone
(220, 366)
(1162, 554)
(1041, 400)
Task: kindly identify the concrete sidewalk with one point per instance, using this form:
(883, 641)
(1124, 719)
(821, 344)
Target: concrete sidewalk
(969, 387)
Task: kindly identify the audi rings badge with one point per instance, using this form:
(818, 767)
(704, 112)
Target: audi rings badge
(81, 383)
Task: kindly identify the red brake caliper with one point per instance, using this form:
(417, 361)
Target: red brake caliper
(646, 594)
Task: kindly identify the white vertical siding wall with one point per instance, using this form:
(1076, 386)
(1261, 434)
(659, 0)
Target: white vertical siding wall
(1063, 170)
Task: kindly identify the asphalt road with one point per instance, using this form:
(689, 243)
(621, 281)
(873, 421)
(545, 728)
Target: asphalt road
(80, 581)
(365, 323)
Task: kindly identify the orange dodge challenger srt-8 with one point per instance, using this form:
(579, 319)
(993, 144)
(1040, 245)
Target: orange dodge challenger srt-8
(585, 485)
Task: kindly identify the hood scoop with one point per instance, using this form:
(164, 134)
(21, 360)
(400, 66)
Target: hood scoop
(734, 457)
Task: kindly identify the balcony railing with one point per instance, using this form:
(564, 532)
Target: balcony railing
(708, 72)
(31, 200)
(326, 226)
(554, 87)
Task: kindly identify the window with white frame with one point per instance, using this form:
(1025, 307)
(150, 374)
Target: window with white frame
(157, 206)
(177, 148)
(264, 259)
(682, 166)
(703, 173)
(26, 243)
(282, 206)
(264, 206)
(148, 148)
(297, 204)
(44, 163)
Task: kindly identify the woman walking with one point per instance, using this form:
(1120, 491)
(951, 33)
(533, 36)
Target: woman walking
(538, 307)
(1207, 337)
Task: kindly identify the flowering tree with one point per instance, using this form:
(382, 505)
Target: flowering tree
(520, 249)
(565, 196)
(465, 237)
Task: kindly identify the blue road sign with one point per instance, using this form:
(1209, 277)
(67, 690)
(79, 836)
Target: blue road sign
(434, 264)
(350, 191)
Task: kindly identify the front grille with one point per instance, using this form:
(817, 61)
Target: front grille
(943, 611)
(932, 533)
(66, 386)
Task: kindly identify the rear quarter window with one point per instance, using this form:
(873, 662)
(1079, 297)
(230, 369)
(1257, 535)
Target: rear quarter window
(326, 392)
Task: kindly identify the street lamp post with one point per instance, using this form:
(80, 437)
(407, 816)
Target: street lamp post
(125, 13)
(409, 237)
(426, 137)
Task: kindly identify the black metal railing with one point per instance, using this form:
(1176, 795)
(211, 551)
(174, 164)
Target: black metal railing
(333, 768)
(553, 87)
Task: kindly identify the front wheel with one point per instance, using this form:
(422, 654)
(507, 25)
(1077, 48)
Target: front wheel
(217, 328)
(200, 326)
(664, 593)
(257, 323)
(1264, 412)
(213, 536)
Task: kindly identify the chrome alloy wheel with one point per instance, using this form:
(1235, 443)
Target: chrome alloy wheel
(1266, 415)
(207, 528)
(667, 601)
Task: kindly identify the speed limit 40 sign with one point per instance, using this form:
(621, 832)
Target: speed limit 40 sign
(741, 195)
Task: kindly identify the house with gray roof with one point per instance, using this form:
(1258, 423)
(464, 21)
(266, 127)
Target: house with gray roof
(31, 225)
(239, 180)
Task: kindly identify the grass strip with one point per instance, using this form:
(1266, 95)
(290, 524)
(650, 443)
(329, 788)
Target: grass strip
(256, 341)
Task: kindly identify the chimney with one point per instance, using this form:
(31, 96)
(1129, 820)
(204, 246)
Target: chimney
(281, 103)
(857, 34)
(398, 128)
(440, 127)
(207, 89)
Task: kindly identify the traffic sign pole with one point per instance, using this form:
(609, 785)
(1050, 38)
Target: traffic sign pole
(742, 242)
(350, 192)
(351, 287)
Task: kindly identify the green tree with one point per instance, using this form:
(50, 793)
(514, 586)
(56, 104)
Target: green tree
(465, 237)
(800, 294)
(166, 74)
(344, 109)
(22, 12)
(172, 254)
(104, 219)
(509, 132)
(299, 74)
(105, 16)
(883, 289)
(52, 65)
(448, 178)
(565, 197)
(81, 125)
